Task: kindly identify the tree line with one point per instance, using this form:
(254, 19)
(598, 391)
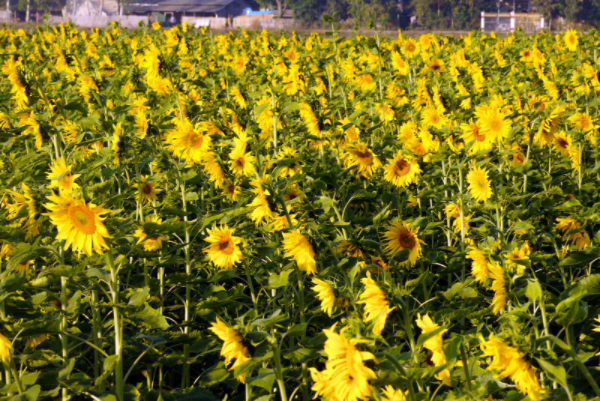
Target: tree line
(435, 14)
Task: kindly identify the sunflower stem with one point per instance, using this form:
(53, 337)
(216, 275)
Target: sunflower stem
(63, 319)
(114, 290)
(185, 381)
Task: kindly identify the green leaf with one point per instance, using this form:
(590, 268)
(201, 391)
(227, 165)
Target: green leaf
(279, 280)
(265, 379)
(581, 258)
(556, 373)
(107, 369)
(214, 375)
(74, 302)
(533, 290)
(66, 371)
(151, 317)
(297, 330)
(139, 296)
(571, 311)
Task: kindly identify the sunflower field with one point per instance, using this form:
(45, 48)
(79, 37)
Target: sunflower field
(187, 215)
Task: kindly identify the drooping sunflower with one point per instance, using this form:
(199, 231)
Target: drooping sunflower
(223, 250)
(346, 377)
(377, 307)
(232, 349)
(149, 190)
(299, 248)
(79, 223)
(358, 156)
(150, 244)
(325, 294)
(571, 39)
(479, 184)
(436, 66)
(5, 350)
(400, 236)
(435, 344)
(498, 286)
(402, 171)
(479, 267)
(61, 177)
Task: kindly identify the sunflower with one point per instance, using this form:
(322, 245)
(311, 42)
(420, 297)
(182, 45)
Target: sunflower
(299, 248)
(400, 237)
(435, 344)
(389, 393)
(431, 117)
(116, 143)
(479, 267)
(571, 39)
(410, 48)
(358, 156)
(79, 223)
(231, 190)
(61, 177)
(232, 349)
(399, 64)
(150, 244)
(377, 307)
(479, 184)
(493, 124)
(472, 134)
(549, 126)
(582, 121)
(345, 378)
(325, 295)
(188, 142)
(241, 162)
(5, 350)
(223, 250)
(289, 168)
(562, 143)
(212, 168)
(149, 190)
(22, 268)
(498, 286)
(402, 171)
(436, 66)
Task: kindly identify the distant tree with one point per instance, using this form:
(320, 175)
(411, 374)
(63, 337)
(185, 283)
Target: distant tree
(337, 7)
(307, 11)
(280, 5)
(380, 12)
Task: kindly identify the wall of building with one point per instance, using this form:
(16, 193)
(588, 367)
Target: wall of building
(101, 21)
(5, 17)
(244, 22)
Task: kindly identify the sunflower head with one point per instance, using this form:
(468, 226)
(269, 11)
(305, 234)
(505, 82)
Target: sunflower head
(402, 237)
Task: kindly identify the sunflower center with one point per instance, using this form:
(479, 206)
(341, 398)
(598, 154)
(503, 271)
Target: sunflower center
(411, 48)
(435, 119)
(407, 241)
(231, 188)
(226, 246)
(526, 53)
(147, 189)
(496, 125)
(240, 162)
(479, 137)
(66, 181)
(83, 219)
(401, 167)
(562, 143)
(435, 67)
(195, 140)
(364, 156)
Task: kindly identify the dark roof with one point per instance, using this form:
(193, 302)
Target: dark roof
(191, 6)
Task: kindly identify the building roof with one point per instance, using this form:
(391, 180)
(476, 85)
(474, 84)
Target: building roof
(188, 6)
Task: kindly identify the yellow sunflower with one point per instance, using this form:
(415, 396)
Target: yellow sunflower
(358, 156)
(325, 295)
(472, 133)
(479, 184)
(149, 190)
(299, 248)
(79, 223)
(571, 39)
(223, 250)
(188, 142)
(241, 162)
(400, 236)
(493, 124)
(61, 177)
(410, 48)
(231, 190)
(562, 144)
(5, 350)
(402, 171)
(150, 244)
